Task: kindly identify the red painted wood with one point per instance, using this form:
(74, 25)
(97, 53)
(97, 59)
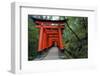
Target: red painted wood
(49, 35)
(39, 26)
(44, 40)
(49, 22)
(60, 39)
(40, 39)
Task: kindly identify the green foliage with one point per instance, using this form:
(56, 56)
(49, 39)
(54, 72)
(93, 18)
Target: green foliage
(33, 36)
(77, 48)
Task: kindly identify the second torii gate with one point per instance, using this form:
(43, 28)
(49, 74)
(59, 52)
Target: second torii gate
(49, 34)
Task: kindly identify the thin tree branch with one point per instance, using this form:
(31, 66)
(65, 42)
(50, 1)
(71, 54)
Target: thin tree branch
(73, 31)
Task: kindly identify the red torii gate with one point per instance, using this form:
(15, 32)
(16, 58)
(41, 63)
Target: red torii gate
(50, 34)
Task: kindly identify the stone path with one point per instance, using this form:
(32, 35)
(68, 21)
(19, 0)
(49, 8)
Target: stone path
(52, 54)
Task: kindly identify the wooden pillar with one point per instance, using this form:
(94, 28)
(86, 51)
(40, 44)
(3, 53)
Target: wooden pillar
(49, 42)
(40, 39)
(60, 39)
(44, 40)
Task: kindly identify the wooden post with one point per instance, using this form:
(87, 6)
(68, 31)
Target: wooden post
(60, 39)
(40, 39)
(44, 40)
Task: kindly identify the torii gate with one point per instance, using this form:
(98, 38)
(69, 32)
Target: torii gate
(50, 34)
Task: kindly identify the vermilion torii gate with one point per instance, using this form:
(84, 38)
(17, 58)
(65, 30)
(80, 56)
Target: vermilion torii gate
(50, 33)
